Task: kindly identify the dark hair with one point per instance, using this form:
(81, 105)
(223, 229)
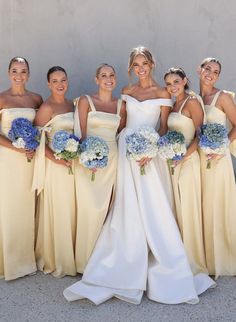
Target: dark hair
(55, 69)
(180, 72)
(210, 60)
(101, 66)
(18, 59)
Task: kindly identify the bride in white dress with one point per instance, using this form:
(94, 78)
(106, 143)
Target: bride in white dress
(140, 248)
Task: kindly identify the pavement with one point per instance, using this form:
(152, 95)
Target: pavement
(39, 298)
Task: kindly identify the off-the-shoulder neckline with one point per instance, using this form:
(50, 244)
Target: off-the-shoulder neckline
(149, 99)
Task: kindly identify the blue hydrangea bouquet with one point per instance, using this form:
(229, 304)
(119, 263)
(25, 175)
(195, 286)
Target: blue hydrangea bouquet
(172, 147)
(24, 135)
(213, 139)
(66, 146)
(142, 144)
(94, 154)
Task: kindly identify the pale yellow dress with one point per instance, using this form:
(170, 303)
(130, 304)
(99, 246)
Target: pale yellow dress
(219, 205)
(56, 211)
(94, 198)
(186, 183)
(17, 204)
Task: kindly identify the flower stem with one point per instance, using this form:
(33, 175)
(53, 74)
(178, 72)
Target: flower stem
(208, 164)
(170, 164)
(142, 170)
(70, 171)
(93, 176)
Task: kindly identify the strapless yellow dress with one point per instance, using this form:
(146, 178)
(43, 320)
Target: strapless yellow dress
(94, 198)
(56, 208)
(186, 183)
(219, 205)
(17, 205)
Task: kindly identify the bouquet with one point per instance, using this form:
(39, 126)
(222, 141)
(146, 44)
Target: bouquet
(142, 144)
(213, 139)
(171, 147)
(66, 146)
(94, 154)
(24, 135)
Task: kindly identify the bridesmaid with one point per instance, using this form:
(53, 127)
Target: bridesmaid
(186, 117)
(218, 183)
(56, 207)
(17, 201)
(98, 115)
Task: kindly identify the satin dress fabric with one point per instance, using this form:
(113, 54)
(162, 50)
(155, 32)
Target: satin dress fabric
(17, 204)
(219, 205)
(140, 247)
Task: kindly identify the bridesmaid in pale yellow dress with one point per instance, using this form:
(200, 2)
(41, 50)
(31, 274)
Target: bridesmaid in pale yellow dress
(17, 201)
(56, 206)
(186, 117)
(98, 115)
(218, 183)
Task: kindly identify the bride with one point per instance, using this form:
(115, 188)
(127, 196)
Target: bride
(140, 248)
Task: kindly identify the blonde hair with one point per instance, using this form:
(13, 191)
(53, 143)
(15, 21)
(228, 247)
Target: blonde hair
(143, 51)
(99, 68)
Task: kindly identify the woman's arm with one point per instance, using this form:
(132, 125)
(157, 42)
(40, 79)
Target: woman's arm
(195, 111)
(228, 106)
(83, 110)
(123, 116)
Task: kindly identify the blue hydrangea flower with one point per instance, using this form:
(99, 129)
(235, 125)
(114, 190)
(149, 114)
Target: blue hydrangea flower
(22, 128)
(172, 147)
(94, 153)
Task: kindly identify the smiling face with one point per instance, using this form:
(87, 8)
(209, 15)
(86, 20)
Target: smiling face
(209, 73)
(58, 83)
(175, 84)
(106, 78)
(141, 67)
(18, 73)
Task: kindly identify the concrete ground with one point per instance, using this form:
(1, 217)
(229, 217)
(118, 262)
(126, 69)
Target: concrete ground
(39, 298)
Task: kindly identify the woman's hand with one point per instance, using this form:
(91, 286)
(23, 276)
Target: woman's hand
(144, 161)
(214, 156)
(66, 163)
(29, 154)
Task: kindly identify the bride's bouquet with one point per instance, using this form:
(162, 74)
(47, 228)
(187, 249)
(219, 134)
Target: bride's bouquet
(65, 146)
(172, 147)
(213, 139)
(94, 154)
(24, 135)
(142, 144)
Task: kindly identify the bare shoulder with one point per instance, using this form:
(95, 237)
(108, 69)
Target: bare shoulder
(37, 99)
(4, 98)
(226, 97)
(83, 100)
(129, 89)
(161, 92)
(193, 103)
(46, 107)
(83, 104)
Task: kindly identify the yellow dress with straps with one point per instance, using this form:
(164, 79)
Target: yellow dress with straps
(219, 205)
(17, 204)
(186, 183)
(56, 208)
(94, 198)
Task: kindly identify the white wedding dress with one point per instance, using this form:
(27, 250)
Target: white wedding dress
(140, 248)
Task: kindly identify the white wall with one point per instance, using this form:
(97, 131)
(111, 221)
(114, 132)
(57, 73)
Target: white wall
(79, 35)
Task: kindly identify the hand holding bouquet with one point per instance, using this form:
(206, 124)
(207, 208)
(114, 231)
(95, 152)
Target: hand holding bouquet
(24, 135)
(172, 147)
(142, 144)
(213, 139)
(94, 154)
(65, 146)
